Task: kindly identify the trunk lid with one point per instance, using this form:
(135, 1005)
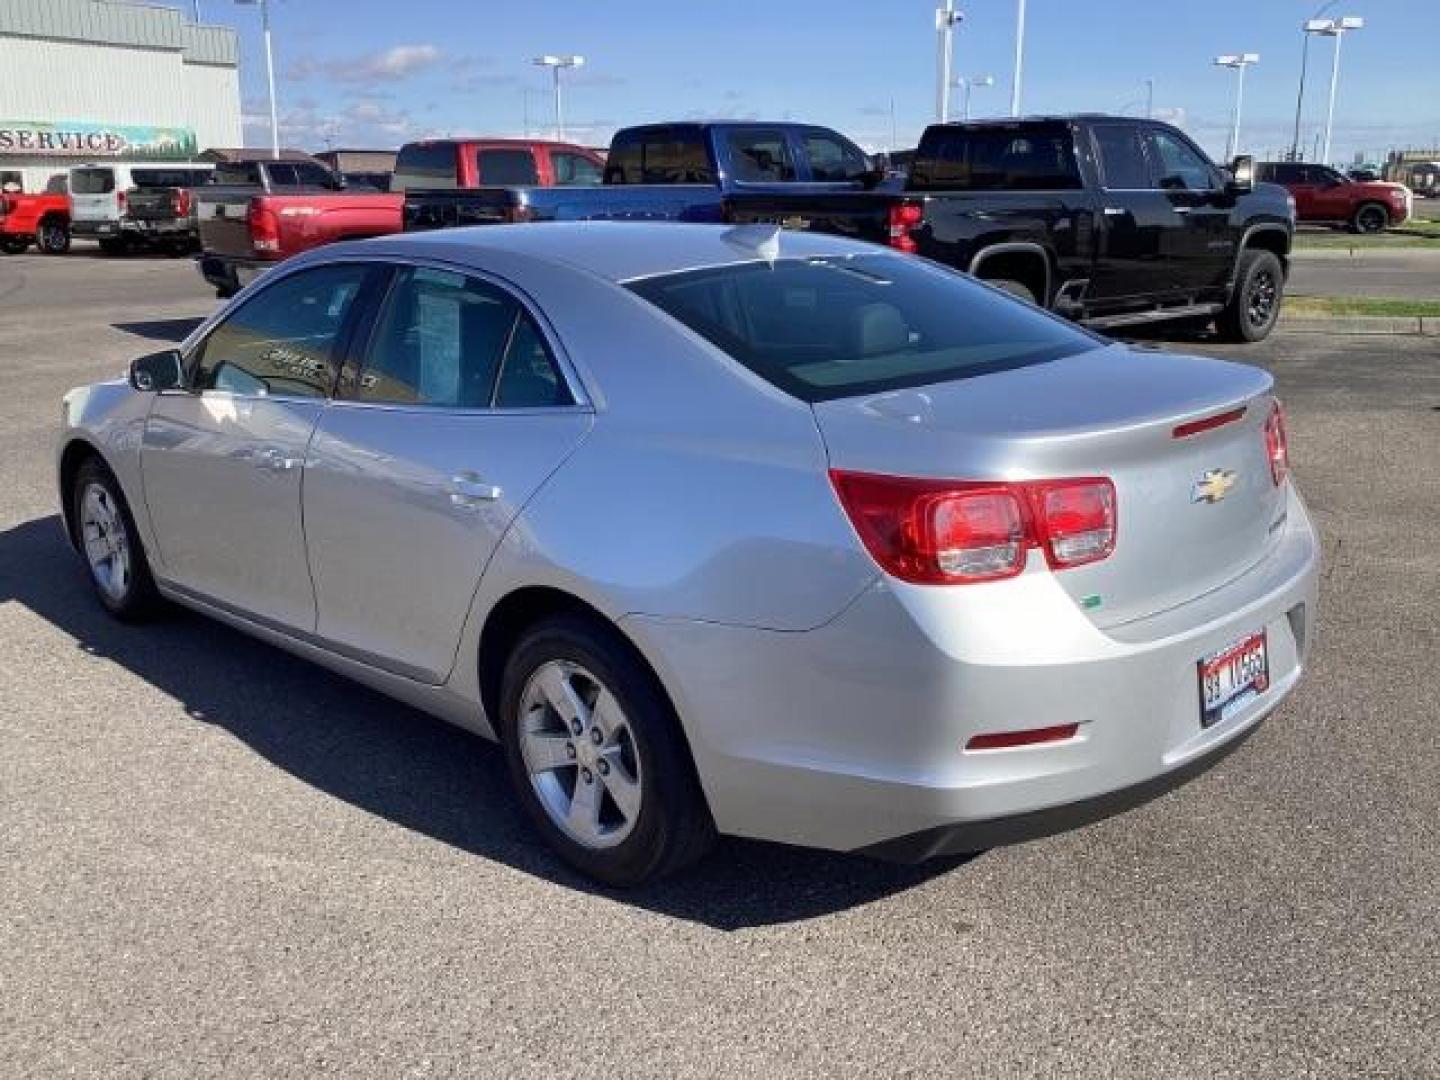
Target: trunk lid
(1194, 512)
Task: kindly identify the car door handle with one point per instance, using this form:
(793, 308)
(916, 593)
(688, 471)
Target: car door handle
(1182, 209)
(1115, 211)
(272, 459)
(468, 489)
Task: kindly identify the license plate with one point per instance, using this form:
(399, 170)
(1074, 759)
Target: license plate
(1233, 676)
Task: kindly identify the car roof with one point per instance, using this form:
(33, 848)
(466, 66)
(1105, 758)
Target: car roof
(618, 250)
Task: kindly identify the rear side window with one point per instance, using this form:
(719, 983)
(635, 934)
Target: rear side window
(1123, 164)
(283, 340)
(659, 156)
(759, 155)
(507, 167)
(1032, 158)
(832, 160)
(446, 340)
(92, 181)
(424, 165)
(835, 327)
(574, 168)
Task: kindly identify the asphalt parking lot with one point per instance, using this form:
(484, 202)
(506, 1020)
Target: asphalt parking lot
(216, 859)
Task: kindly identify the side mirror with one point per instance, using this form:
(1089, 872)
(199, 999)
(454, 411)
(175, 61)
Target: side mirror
(1242, 175)
(158, 371)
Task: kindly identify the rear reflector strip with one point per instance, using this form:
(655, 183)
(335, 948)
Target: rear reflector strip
(1209, 423)
(1000, 740)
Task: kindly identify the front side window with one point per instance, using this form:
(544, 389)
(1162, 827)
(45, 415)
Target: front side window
(835, 327)
(1181, 166)
(833, 161)
(446, 340)
(1123, 164)
(760, 156)
(574, 168)
(507, 167)
(282, 341)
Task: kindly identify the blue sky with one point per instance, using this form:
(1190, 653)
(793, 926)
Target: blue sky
(365, 73)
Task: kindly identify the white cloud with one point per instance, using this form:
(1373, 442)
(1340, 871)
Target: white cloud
(392, 65)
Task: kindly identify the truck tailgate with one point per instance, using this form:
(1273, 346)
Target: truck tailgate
(859, 215)
(224, 229)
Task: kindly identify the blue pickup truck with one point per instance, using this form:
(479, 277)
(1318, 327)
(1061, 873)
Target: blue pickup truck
(666, 172)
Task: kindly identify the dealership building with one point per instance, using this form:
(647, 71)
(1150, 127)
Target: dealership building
(91, 80)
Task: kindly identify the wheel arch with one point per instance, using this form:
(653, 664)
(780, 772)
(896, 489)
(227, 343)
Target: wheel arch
(1023, 261)
(76, 452)
(1272, 237)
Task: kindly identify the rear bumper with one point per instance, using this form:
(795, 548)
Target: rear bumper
(229, 272)
(129, 227)
(853, 736)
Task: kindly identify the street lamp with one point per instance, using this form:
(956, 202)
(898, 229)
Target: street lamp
(264, 6)
(968, 84)
(946, 19)
(1237, 62)
(1019, 58)
(555, 64)
(1335, 28)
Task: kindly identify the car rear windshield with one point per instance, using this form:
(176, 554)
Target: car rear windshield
(996, 158)
(832, 327)
(146, 178)
(92, 181)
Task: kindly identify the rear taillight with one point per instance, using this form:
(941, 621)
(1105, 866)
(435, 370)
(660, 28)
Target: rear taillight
(902, 218)
(515, 214)
(953, 532)
(181, 200)
(120, 201)
(264, 227)
(1277, 444)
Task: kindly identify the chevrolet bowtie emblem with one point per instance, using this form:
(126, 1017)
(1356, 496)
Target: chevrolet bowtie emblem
(1213, 486)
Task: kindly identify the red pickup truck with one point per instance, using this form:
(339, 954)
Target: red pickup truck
(1325, 194)
(42, 219)
(260, 212)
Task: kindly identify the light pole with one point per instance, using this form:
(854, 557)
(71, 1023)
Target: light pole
(1335, 28)
(966, 85)
(1237, 62)
(1149, 99)
(264, 6)
(946, 19)
(1305, 33)
(1019, 58)
(556, 64)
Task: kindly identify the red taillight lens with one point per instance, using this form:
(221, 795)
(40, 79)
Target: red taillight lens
(1002, 740)
(182, 202)
(901, 219)
(952, 532)
(1277, 444)
(264, 227)
(120, 201)
(1075, 520)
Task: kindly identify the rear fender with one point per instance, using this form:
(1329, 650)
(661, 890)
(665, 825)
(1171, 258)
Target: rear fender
(1030, 255)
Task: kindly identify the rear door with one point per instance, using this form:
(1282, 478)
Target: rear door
(454, 412)
(1137, 222)
(222, 463)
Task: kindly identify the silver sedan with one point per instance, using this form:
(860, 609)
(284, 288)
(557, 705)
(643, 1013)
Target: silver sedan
(719, 530)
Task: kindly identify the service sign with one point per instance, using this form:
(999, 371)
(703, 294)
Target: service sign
(82, 139)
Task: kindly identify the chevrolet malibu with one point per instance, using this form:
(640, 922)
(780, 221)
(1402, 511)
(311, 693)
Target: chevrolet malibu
(718, 529)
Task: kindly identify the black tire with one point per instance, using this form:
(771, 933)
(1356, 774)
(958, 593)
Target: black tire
(53, 238)
(1015, 288)
(673, 827)
(14, 245)
(1254, 307)
(1369, 218)
(139, 599)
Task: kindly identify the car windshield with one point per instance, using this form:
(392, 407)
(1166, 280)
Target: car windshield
(823, 328)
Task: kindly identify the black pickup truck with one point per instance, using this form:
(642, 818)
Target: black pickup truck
(1112, 221)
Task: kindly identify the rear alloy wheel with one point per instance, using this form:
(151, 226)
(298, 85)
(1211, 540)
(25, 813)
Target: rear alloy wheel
(1371, 218)
(596, 755)
(105, 532)
(1254, 306)
(1017, 289)
(53, 237)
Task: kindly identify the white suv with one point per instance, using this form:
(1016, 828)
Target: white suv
(103, 198)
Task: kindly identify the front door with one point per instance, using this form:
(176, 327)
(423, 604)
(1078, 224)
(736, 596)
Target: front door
(1136, 222)
(1201, 245)
(458, 413)
(223, 462)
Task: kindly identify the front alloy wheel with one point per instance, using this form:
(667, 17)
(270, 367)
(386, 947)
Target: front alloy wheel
(1371, 219)
(105, 534)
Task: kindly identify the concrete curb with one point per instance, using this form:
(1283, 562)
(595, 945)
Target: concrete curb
(1413, 325)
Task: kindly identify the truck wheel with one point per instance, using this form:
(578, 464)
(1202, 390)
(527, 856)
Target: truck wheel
(1254, 306)
(596, 754)
(1370, 218)
(1014, 288)
(13, 245)
(53, 237)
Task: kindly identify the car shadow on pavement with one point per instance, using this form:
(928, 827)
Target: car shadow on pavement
(403, 765)
(174, 330)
